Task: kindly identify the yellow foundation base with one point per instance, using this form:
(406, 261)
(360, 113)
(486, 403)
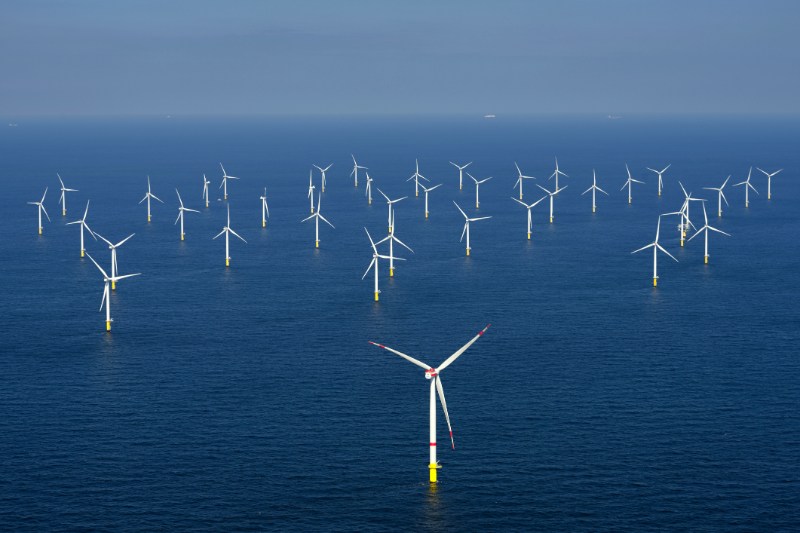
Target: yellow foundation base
(706, 259)
(183, 237)
(659, 193)
(226, 197)
(316, 244)
(681, 242)
(655, 282)
(108, 325)
(551, 220)
(529, 235)
(113, 285)
(206, 204)
(40, 231)
(83, 252)
(376, 296)
(769, 197)
(417, 194)
(426, 215)
(747, 204)
(227, 261)
(312, 210)
(64, 213)
(629, 200)
(719, 213)
(594, 210)
(369, 201)
(391, 272)
(467, 251)
(477, 206)
(148, 218)
(433, 468)
(263, 223)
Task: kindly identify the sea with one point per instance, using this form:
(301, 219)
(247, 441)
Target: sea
(249, 398)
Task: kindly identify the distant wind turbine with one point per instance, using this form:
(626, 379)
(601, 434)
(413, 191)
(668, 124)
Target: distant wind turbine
(224, 184)
(113, 247)
(40, 205)
(594, 188)
(520, 179)
(310, 190)
(747, 186)
(656, 247)
(147, 196)
(264, 209)
(106, 294)
(391, 203)
(416, 177)
(181, 211)
(323, 172)
(705, 229)
(552, 195)
(630, 182)
(467, 220)
(529, 207)
(427, 190)
(85, 226)
(64, 191)
(720, 195)
(392, 239)
(227, 230)
(317, 216)
(477, 188)
(354, 172)
(368, 191)
(461, 173)
(556, 173)
(769, 180)
(659, 172)
(374, 263)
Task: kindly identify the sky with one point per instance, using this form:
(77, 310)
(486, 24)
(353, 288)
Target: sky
(242, 57)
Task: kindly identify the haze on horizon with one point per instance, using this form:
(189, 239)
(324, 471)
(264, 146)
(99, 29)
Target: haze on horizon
(88, 57)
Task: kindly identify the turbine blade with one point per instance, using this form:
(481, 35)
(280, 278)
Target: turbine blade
(440, 390)
(449, 361)
(404, 356)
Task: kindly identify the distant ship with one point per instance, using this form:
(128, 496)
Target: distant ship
(614, 117)
(12, 125)
(489, 116)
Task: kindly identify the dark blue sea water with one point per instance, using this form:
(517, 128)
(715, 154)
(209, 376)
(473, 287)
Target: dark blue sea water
(249, 398)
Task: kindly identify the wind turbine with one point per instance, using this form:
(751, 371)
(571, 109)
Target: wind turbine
(310, 191)
(368, 191)
(318, 216)
(374, 263)
(40, 204)
(769, 181)
(720, 195)
(181, 210)
(630, 183)
(391, 202)
(520, 179)
(427, 190)
(686, 220)
(113, 247)
(354, 172)
(556, 173)
(552, 195)
(64, 191)
(416, 176)
(205, 189)
(594, 188)
(228, 231)
(461, 173)
(391, 238)
(659, 172)
(705, 229)
(747, 185)
(106, 295)
(434, 375)
(534, 204)
(264, 209)
(466, 226)
(322, 171)
(147, 197)
(477, 188)
(85, 226)
(224, 184)
(656, 247)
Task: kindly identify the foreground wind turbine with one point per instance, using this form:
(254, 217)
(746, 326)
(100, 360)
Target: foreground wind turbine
(106, 295)
(264, 209)
(224, 184)
(311, 188)
(113, 247)
(147, 197)
(477, 188)
(322, 171)
(769, 180)
(705, 229)
(629, 183)
(659, 172)
(748, 186)
(205, 189)
(656, 247)
(392, 239)
(556, 173)
(416, 176)
(228, 231)
(433, 374)
(594, 188)
(40, 205)
(461, 173)
(534, 204)
(85, 226)
(520, 179)
(181, 210)
(391, 209)
(427, 190)
(354, 172)
(552, 195)
(467, 220)
(64, 191)
(720, 195)
(318, 216)
(374, 263)
(368, 191)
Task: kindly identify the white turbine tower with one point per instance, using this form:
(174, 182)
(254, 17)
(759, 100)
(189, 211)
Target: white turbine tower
(594, 188)
(747, 187)
(40, 205)
(224, 184)
(354, 172)
(461, 173)
(467, 220)
(552, 195)
(529, 207)
(434, 375)
(769, 180)
(374, 263)
(477, 188)
(113, 247)
(629, 183)
(720, 195)
(181, 211)
(64, 191)
(147, 196)
(520, 179)
(416, 176)
(316, 216)
(368, 191)
(556, 173)
(391, 203)
(427, 190)
(705, 229)
(85, 226)
(660, 172)
(228, 231)
(106, 294)
(322, 172)
(392, 239)
(206, 182)
(264, 209)
(656, 247)
(310, 191)
(686, 220)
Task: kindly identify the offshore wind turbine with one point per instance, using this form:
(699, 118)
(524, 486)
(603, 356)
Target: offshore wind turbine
(552, 195)
(434, 375)
(206, 182)
(477, 188)
(427, 190)
(391, 209)
(529, 207)
(368, 191)
(224, 184)
(392, 239)
(656, 247)
(686, 220)
(64, 191)
(705, 230)
(40, 205)
(769, 180)
(594, 188)
(520, 179)
(747, 186)
(630, 182)
(660, 172)
(461, 173)
(181, 211)
(310, 190)
(85, 226)
(264, 209)
(556, 173)
(113, 247)
(720, 195)
(147, 196)
(316, 216)
(416, 176)
(106, 294)
(466, 226)
(354, 172)
(322, 172)
(227, 230)
(374, 263)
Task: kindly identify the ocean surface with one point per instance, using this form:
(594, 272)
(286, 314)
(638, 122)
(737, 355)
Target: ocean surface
(248, 398)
